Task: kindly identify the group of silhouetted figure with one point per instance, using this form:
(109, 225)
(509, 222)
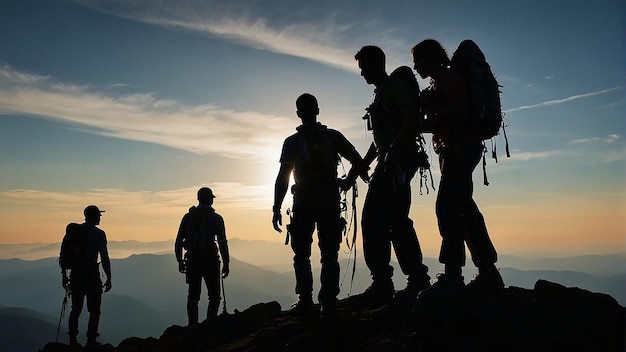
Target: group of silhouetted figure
(397, 116)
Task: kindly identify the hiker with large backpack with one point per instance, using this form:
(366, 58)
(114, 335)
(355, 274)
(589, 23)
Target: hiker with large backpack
(458, 130)
(199, 245)
(313, 154)
(394, 119)
(80, 248)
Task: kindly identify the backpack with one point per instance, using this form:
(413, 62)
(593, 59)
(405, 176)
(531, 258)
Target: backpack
(198, 234)
(377, 110)
(483, 90)
(420, 160)
(483, 94)
(73, 246)
(316, 160)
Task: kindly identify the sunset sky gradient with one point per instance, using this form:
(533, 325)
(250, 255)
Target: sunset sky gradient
(134, 104)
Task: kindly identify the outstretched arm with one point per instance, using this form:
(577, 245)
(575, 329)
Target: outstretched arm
(360, 168)
(280, 190)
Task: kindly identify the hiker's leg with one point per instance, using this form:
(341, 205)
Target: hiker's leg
(212, 281)
(375, 228)
(78, 298)
(194, 280)
(94, 301)
(329, 227)
(404, 238)
(452, 194)
(477, 238)
(301, 229)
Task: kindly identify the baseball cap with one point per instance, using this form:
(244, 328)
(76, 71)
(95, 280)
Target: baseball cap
(92, 210)
(205, 193)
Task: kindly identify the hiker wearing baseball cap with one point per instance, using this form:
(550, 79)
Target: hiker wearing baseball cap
(198, 233)
(84, 279)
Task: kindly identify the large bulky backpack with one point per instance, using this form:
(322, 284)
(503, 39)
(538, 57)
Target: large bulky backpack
(73, 246)
(483, 90)
(483, 94)
(316, 161)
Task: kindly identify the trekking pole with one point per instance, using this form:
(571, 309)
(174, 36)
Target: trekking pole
(63, 306)
(224, 312)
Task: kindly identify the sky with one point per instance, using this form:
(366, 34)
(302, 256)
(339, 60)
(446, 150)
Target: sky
(133, 105)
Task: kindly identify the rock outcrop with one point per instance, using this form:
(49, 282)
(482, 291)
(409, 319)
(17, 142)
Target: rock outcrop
(549, 317)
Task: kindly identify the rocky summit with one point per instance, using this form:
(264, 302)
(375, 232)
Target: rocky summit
(550, 317)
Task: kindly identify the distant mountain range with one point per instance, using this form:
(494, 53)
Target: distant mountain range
(149, 294)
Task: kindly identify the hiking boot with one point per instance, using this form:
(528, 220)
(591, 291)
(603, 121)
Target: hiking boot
(446, 287)
(486, 284)
(302, 307)
(412, 289)
(74, 342)
(92, 345)
(378, 294)
(328, 310)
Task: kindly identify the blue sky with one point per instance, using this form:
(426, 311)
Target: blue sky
(133, 105)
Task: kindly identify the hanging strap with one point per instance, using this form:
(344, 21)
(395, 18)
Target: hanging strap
(352, 245)
(485, 181)
(354, 214)
(506, 139)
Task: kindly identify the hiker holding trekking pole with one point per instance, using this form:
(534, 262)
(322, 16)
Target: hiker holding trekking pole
(81, 246)
(203, 237)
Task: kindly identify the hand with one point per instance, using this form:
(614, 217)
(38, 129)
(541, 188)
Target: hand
(277, 221)
(364, 175)
(345, 184)
(107, 285)
(182, 267)
(225, 271)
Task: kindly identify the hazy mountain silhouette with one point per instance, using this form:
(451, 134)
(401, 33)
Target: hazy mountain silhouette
(24, 329)
(117, 249)
(550, 317)
(149, 294)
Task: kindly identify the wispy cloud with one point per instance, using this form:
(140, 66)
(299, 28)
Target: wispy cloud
(301, 40)
(313, 38)
(526, 156)
(144, 117)
(610, 138)
(231, 196)
(564, 100)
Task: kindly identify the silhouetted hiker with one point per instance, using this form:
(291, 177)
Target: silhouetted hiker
(460, 221)
(84, 272)
(199, 230)
(394, 121)
(313, 155)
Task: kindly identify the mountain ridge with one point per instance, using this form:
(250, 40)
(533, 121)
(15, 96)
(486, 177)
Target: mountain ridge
(550, 317)
(153, 282)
